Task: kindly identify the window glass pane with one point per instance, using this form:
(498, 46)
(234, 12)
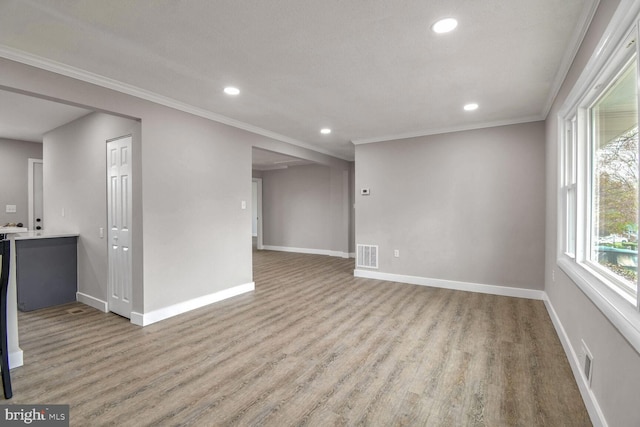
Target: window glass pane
(571, 221)
(614, 198)
(570, 188)
(569, 153)
(572, 142)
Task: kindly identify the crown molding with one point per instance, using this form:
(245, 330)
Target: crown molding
(438, 131)
(622, 24)
(108, 83)
(570, 53)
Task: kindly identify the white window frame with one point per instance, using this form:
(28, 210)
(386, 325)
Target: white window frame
(568, 177)
(626, 53)
(610, 56)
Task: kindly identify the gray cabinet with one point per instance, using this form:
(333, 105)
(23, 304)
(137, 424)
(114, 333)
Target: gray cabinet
(46, 272)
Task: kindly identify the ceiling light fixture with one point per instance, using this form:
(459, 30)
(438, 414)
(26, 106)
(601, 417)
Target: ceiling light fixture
(471, 107)
(231, 90)
(325, 131)
(444, 25)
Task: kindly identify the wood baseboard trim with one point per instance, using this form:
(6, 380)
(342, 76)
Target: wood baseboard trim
(454, 285)
(154, 316)
(307, 251)
(94, 302)
(16, 358)
(137, 318)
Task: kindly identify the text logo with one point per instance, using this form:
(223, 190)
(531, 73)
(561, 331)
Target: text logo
(35, 415)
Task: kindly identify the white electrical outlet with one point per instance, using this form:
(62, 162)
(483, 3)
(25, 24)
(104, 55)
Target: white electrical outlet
(10, 209)
(396, 253)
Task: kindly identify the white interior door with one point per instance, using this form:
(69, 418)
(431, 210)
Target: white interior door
(119, 229)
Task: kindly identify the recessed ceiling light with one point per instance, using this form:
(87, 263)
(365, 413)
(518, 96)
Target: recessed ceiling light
(471, 107)
(231, 90)
(325, 131)
(444, 25)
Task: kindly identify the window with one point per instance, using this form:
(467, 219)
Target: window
(569, 189)
(598, 177)
(600, 205)
(614, 180)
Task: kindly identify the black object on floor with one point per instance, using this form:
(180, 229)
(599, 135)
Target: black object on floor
(5, 251)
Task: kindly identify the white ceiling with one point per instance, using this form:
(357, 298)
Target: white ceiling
(369, 70)
(264, 160)
(27, 118)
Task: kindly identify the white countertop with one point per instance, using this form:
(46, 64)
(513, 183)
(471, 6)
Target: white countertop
(12, 230)
(28, 235)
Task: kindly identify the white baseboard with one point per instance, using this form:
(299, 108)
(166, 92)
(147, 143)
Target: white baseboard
(307, 251)
(590, 401)
(16, 359)
(183, 307)
(449, 284)
(137, 318)
(92, 302)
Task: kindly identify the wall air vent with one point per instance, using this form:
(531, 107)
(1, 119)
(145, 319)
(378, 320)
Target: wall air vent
(367, 256)
(587, 363)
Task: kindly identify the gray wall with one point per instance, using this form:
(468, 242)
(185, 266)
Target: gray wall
(616, 367)
(309, 207)
(296, 208)
(193, 175)
(75, 180)
(14, 190)
(197, 237)
(465, 206)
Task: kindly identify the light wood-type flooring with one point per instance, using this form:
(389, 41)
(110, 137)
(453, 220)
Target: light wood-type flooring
(311, 346)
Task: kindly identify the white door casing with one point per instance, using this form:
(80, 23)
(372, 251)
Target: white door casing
(254, 208)
(119, 218)
(35, 196)
(258, 202)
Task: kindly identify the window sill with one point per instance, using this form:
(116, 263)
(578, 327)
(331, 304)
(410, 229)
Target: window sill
(621, 313)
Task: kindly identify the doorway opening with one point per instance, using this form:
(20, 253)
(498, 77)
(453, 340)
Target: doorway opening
(264, 163)
(35, 195)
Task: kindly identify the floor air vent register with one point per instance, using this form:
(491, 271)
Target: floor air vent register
(367, 256)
